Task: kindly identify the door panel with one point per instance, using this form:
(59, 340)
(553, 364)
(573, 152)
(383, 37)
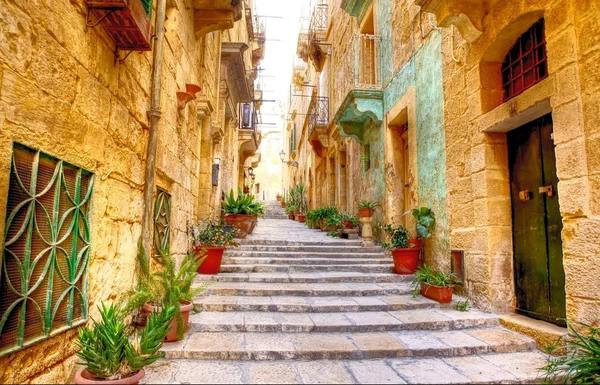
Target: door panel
(537, 225)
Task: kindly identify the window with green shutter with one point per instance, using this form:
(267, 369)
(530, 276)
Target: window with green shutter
(45, 250)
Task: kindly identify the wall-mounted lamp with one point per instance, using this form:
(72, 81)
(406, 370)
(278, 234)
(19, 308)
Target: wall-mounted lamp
(292, 163)
(215, 171)
(250, 171)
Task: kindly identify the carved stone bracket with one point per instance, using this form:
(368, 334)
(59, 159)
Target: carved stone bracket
(466, 15)
(360, 111)
(319, 140)
(215, 15)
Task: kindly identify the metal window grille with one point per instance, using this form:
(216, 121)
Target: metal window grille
(46, 249)
(367, 71)
(526, 62)
(162, 223)
(318, 113)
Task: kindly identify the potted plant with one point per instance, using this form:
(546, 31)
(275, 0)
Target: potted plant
(330, 219)
(242, 212)
(300, 192)
(290, 209)
(406, 258)
(433, 284)
(246, 189)
(283, 202)
(350, 221)
(278, 197)
(312, 219)
(425, 222)
(366, 208)
(111, 356)
(169, 286)
(210, 240)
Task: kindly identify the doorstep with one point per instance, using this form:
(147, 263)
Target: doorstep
(544, 333)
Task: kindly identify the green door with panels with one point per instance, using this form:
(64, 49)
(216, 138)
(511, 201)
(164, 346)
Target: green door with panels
(537, 224)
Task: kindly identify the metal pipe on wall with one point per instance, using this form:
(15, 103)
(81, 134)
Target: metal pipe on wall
(154, 115)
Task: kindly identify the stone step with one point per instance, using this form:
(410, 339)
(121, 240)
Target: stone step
(279, 322)
(306, 268)
(324, 277)
(284, 304)
(308, 248)
(307, 289)
(352, 346)
(303, 254)
(284, 242)
(305, 261)
(505, 368)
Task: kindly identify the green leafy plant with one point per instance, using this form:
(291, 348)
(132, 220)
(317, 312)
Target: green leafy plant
(209, 233)
(427, 274)
(365, 160)
(301, 200)
(367, 205)
(579, 362)
(463, 305)
(425, 219)
(312, 218)
(350, 218)
(167, 287)
(334, 234)
(107, 351)
(243, 204)
(396, 237)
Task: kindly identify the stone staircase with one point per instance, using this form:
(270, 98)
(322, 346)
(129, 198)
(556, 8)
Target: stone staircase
(294, 306)
(273, 210)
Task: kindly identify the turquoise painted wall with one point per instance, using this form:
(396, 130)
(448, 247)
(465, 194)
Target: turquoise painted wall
(424, 72)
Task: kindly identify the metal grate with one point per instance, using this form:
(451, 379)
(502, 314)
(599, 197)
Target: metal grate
(317, 31)
(526, 62)
(162, 223)
(367, 71)
(318, 113)
(46, 250)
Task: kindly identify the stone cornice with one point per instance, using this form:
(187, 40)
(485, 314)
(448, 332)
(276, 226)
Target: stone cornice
(356, 8)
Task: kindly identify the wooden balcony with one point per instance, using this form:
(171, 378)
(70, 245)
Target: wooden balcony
(126, 21)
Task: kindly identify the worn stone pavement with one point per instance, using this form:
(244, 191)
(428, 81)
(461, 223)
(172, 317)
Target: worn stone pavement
(292, 305)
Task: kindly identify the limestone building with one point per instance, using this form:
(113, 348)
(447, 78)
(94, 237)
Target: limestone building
(101, 106)
(485, 111)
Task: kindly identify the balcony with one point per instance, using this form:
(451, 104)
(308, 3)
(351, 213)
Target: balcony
(317, 36)
(126, 21)
(299, 75)
(356, 8)
(233, 70)
(318, 122)
(248, 135)
(215, 15)
(302, 49)
(466, 15)
(362, 107)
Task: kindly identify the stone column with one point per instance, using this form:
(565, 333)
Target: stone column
(367, 231)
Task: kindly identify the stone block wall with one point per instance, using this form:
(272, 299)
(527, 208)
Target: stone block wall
(477, 164)
(62, 92)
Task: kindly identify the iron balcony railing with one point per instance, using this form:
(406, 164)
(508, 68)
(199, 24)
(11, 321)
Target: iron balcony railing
(318, 113)
(317, 31)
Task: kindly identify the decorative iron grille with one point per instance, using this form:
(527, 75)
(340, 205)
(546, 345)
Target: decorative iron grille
(318, 113)
(162, 223)
(46, 250)
(317, 31)
(367, 73)
(526, 62)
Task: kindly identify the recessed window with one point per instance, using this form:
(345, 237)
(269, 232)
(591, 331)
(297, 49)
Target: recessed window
(526, 62)
(162, 223)
(46, 249)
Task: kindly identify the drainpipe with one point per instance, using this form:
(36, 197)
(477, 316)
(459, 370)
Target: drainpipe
(154, 117)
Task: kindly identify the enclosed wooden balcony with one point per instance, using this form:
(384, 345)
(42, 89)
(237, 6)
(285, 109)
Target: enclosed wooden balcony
(126, 21)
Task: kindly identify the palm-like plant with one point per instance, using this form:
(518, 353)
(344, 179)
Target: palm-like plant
(243, 204)
(301, 197)
(107, 351)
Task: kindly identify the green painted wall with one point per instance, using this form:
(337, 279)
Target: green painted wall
(424, 72)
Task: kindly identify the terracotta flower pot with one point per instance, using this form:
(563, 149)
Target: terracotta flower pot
(406, 260)
(278, 199)
(415, 243)
(301, 218)
(212, 263)
(246, 190)
(348, 225)
(185, 306)
(254, 222)
(366, 213)
(83, 376)
(291, 216)
(283, 205)
(442, 294)
(241, 221)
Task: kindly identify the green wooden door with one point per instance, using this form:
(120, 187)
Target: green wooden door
(537, 224)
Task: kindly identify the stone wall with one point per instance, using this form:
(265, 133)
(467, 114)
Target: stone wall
(477, 164)
(62, 92)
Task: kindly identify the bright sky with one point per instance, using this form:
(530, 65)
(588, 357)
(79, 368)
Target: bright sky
(282, 35)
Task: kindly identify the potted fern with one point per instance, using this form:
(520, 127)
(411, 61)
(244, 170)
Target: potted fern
(168, 287)
(209, 240)
(242, 212)
(366, 208)
(111, 356)
(433, 284)
(350, 221)
(425, 223)
(406, 258)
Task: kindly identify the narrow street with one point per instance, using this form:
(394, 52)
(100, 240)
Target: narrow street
(292, 305)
